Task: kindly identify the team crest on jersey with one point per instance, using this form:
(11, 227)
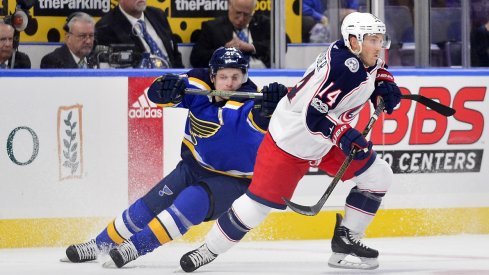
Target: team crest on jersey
(349, 115)
(352, 64)
(201, 128)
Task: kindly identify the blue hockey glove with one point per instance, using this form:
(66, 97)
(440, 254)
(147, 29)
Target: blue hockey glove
(346, 138)
(167, 90)
(386, 88)
(271, 96)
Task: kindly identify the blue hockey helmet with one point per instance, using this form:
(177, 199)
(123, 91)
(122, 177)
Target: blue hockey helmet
(229, 58)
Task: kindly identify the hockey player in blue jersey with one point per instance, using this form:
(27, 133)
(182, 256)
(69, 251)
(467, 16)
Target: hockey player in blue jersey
(218, 154)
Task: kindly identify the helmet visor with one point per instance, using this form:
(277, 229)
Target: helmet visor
(377, 40)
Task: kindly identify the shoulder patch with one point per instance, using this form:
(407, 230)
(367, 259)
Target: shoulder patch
(352, 64)
(322, 60)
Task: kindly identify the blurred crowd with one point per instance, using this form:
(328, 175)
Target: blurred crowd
(135, 35)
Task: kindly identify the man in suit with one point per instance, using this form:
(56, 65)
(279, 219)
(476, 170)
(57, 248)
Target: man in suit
(79, 40)
(122, 25)
(241, 29)
(22, 60)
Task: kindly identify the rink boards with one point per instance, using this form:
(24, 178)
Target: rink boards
(77, 147)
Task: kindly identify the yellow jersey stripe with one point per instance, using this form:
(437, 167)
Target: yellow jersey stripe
(192, 149)
(199, 83)
(250, 118)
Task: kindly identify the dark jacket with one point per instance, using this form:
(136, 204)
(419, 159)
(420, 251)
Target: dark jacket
(22, 61)
(114, 28)
(216, 33)
(60, 58)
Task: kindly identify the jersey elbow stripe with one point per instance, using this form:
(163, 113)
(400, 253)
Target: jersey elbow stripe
(254, 124)
(159, 231)
(166, 105)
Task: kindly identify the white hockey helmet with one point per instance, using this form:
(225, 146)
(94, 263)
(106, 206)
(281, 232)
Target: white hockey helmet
(359, 24)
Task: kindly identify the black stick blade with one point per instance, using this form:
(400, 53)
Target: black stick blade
(434, 105)
(303, 209)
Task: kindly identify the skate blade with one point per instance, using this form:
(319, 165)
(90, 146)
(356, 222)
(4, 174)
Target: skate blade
(109, 264)
(179, 270)
(345, 261)
(66, 260)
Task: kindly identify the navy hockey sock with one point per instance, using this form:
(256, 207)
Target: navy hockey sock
(230, 225)
(364, 201)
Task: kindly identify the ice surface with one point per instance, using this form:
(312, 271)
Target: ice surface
(461, 254)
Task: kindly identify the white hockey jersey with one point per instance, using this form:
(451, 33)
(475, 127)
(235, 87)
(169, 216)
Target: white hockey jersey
(332, 91)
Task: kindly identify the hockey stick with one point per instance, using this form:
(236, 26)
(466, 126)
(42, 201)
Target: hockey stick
(435, 106)
(314, 209)
(430, 103)
(235, 94)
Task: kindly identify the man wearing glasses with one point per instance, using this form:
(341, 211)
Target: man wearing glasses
(241, 28)
(21, 61)
(79, 40)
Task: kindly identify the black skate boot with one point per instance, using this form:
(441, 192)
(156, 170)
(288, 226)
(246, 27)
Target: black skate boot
(84, 252)
(121, 255)
(196, 258)
(345, 243)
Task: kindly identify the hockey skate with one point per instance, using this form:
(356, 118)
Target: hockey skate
(346, 244)
(196, 258)
(121, 255)
(84, 252)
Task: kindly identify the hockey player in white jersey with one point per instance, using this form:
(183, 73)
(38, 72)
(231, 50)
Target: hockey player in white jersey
(311, 126)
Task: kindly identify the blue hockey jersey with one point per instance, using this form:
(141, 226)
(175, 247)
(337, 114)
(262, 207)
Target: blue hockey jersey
(222, 137)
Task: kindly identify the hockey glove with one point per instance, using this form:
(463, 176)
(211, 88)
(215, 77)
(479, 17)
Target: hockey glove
(346, 138)
(386, 88)
(271, 96)
(167, 90)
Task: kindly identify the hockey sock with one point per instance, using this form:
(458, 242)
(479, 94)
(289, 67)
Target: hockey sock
(361, 207)
(189, 208)
(232, 226)
(130, 221)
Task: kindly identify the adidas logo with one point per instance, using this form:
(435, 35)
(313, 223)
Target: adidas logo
(144, 108)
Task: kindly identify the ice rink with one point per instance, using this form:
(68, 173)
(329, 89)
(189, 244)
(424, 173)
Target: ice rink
(462, 254)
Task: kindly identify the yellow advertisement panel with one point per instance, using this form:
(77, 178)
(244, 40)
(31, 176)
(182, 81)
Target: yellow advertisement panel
(47, 17)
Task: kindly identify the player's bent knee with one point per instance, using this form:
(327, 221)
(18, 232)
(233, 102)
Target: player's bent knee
(250, 212)
(378, 177)
(193, 203)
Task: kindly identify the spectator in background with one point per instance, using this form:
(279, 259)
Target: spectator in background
(79, 39)
(315, 20)
(132, 22)
(22, 60)
(240, 28)
(479, 42)
(479, 36)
